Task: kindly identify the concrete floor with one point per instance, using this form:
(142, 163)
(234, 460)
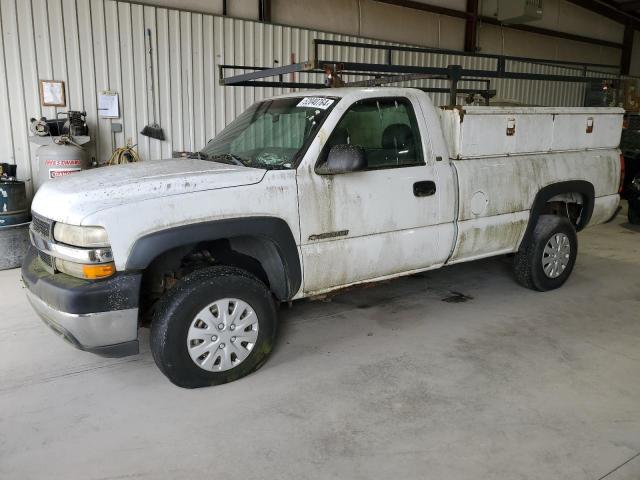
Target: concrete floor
(383, 382)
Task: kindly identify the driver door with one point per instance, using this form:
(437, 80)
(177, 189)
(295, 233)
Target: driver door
(380, 222)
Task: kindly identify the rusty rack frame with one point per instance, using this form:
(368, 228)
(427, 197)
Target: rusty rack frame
(390, 72)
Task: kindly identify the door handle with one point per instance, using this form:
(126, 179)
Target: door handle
(424, 189)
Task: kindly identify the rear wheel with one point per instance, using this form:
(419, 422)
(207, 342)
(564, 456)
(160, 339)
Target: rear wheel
(547, 260)
(633, 213)
(216, 325)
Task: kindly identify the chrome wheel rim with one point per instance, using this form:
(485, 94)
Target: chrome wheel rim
(555, 256)
(222, 335)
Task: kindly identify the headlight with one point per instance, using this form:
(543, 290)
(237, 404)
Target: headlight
(80, 236)
(89, 272)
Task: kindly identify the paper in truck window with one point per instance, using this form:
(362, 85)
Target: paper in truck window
(315, 102)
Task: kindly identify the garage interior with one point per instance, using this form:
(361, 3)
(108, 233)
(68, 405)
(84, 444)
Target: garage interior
(455, 373)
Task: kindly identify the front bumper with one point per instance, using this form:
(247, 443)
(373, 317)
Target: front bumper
(96, 316)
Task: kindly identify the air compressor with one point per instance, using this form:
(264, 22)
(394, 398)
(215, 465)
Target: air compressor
(61, 152)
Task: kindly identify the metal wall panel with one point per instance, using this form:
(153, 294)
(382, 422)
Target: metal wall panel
(95, 45)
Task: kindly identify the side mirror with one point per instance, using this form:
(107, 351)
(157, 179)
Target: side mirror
(343, 159)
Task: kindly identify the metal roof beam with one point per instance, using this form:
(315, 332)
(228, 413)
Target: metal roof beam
(471, 27)
(629, 6)
(609, 10)
(469, 16)
(627, 50)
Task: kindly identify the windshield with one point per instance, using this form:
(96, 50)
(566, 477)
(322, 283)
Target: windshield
(270, 134)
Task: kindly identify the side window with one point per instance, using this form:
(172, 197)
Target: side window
(385, 128)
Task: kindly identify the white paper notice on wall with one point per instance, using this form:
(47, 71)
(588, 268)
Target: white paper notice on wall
(108, 104)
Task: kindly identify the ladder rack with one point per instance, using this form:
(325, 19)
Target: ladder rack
(390, 72)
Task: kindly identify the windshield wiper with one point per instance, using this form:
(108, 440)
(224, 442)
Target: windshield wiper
(229, 157)
(275, 167)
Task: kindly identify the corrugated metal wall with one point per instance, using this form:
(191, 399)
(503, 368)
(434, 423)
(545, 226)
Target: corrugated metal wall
(95, 45)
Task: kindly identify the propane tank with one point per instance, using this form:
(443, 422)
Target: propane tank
(60, 156)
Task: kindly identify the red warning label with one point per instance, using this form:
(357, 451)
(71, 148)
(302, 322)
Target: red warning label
(62, 163)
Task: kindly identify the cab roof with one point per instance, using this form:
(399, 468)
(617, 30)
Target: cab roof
(355, 92)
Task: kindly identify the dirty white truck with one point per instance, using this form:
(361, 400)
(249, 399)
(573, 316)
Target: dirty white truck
(304, 194)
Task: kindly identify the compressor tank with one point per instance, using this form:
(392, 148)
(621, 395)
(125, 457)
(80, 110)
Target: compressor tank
(57, 157)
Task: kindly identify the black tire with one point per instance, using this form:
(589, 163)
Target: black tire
(527, 264)
(180, 305)
(633, 216)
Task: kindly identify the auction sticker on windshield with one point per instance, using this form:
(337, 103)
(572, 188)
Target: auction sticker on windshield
(315, 102)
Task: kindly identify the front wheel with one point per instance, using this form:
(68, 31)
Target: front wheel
(216, 325)
(546, 261)
(633, 214)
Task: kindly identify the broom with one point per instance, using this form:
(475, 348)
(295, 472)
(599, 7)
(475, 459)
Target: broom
(152, 130)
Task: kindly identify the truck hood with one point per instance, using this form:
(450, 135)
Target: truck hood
(70, 199)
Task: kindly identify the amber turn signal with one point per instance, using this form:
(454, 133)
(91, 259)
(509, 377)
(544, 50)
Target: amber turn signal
(94, 272)
(88, 272)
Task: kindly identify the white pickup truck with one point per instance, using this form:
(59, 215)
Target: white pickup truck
(304, 194)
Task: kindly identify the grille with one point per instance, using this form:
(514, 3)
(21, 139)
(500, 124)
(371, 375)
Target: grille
(41, 226)
(48, 261)
(44, 227)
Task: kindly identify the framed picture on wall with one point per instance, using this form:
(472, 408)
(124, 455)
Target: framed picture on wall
(52, 93)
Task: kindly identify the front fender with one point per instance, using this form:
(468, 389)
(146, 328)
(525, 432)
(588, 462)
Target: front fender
(284, 272)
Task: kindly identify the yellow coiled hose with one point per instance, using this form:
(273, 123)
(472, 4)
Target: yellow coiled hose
(124, 155)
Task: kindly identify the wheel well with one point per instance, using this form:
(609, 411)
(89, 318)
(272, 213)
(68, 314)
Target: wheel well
(569, 205)
(254, 255)
(573, 199)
